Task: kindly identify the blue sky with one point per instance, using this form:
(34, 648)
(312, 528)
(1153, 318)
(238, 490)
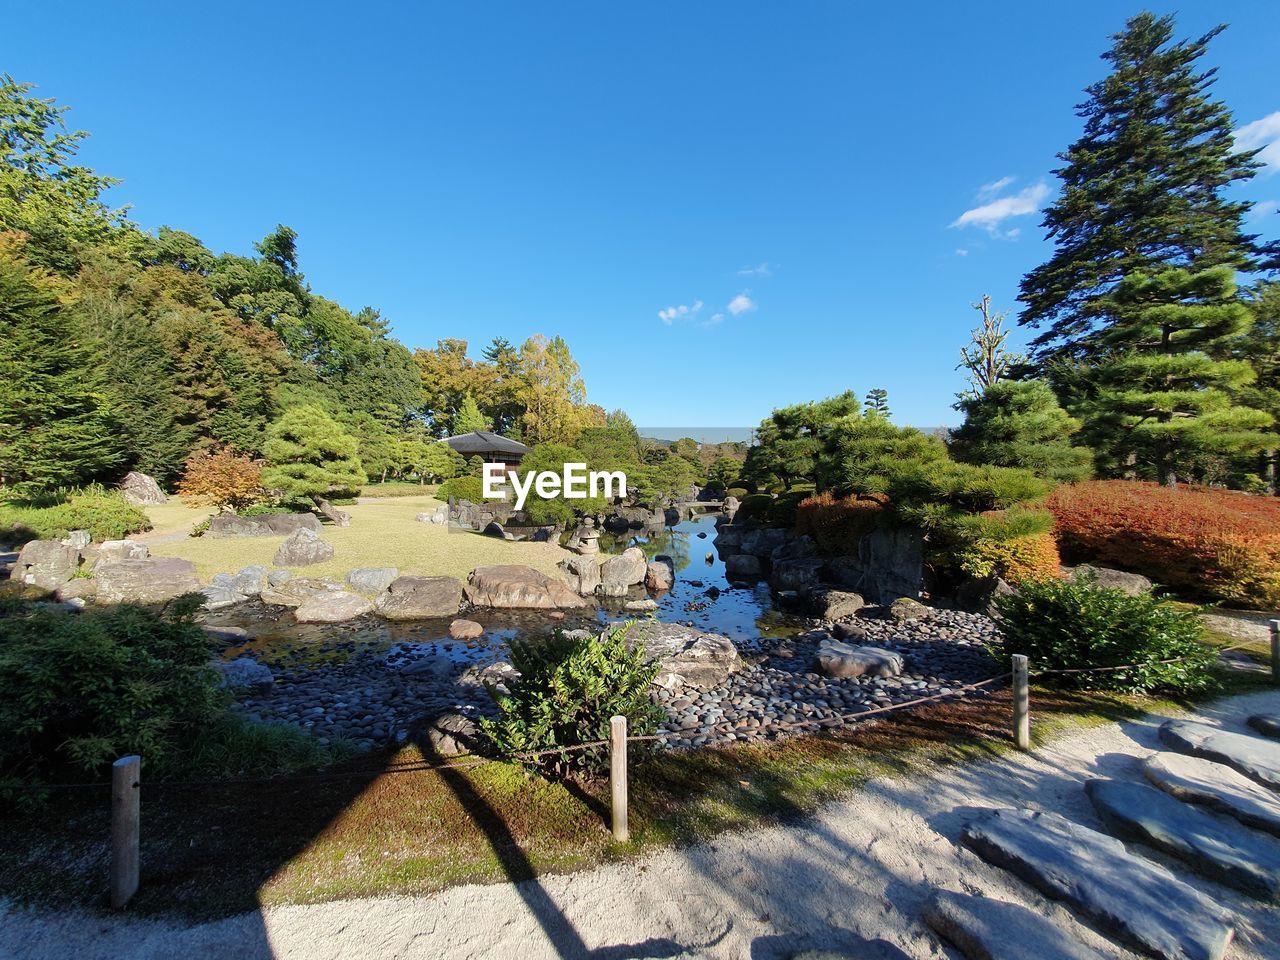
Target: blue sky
(723, 207)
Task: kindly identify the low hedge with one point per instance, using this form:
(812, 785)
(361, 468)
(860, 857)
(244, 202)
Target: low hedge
(1211, 544)
(105, 515)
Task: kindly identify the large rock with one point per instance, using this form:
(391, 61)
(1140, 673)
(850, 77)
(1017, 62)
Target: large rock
(660, 574)
(222, 592)
(113, 551)
(419, 598)
(889, 563)
(1220, 849)
(686, 656)
(801, 574)
(835, 604)
(980, 596)
(763, 541)
(371, 580)
(1216, 786)
(462, 629)
(618, 574)
(251, 580)
(511, 586)
(837, 659)
(244, 672)
(1134, 584)
(78, 540)
(1256, 758)
(904, 608)
(743, 567)
(141, 490)
(295, 590)
(729, 538)
(77, 590)
(46, 564)
(263, 525)
(152, 580)
(1133, 898)
(302, 548)
(452, 734)
(582, 574)
(987, 929)
(333, 607)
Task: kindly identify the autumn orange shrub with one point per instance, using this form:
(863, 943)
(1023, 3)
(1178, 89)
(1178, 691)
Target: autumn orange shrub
(222, 478)
(1033, 557)
(1216, 544)
(836, 524)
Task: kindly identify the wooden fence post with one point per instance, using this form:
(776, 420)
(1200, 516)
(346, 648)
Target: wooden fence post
(125, 805)
(618, 777)
(1275, 651)
(1021, 703)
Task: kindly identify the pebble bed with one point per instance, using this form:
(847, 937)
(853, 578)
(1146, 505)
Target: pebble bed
(943, 650)
(379, 696)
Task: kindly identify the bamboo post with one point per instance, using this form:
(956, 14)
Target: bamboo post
(1275, 651)
(1021, 703)
(618, 777)
(125, 805)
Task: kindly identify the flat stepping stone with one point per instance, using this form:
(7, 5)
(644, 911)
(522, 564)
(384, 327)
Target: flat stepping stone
(1267, 724)
(1256, 758)
(986, 929)
(1217, 786)
(1138, 901)
(1219, 849)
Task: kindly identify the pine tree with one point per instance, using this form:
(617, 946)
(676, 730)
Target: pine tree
(1142, 189)
(1162, 398)
(1020, 424)
(310, 456)
(56, 428)
(985, 357)
(469, 418)
(877, 402)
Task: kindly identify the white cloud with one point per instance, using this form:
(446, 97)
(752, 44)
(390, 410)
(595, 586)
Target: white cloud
(961, 252)
(991, 214)
(712, 320)
(989, 190)
(671, 314)
(741, 304)
(1264, 208)
(1264, 133)
(762, 270)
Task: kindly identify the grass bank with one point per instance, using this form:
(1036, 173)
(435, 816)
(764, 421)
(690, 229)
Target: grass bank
(210, 851)
(383, 533)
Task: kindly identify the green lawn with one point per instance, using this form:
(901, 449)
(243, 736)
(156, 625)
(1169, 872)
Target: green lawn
(383, 533)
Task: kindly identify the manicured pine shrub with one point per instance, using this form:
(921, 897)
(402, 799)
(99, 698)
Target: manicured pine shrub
(462, 488)
(1015, 544)
(1214, 544)
(568, 689)
(1064, 625)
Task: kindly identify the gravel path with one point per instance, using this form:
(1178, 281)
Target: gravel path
(860, 870)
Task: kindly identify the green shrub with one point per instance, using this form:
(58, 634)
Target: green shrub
(462, 488)
(105, 515)
(568, 689)
(756, 506)
(783, 509)
(77, 691)
(1062, 625)
(266, 509)
(738, 492)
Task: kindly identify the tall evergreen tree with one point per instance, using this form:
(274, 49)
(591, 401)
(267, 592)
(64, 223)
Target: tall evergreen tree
(469, 418)
(56, 428)
(1142, 189)
(1161, 397)
(1020, 424)
(877, 402)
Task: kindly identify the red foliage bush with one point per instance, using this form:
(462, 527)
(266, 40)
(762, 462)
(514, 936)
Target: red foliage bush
(836, 524)
(1216, 544)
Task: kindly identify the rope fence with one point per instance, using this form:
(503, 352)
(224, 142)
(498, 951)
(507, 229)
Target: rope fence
(125, 782)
